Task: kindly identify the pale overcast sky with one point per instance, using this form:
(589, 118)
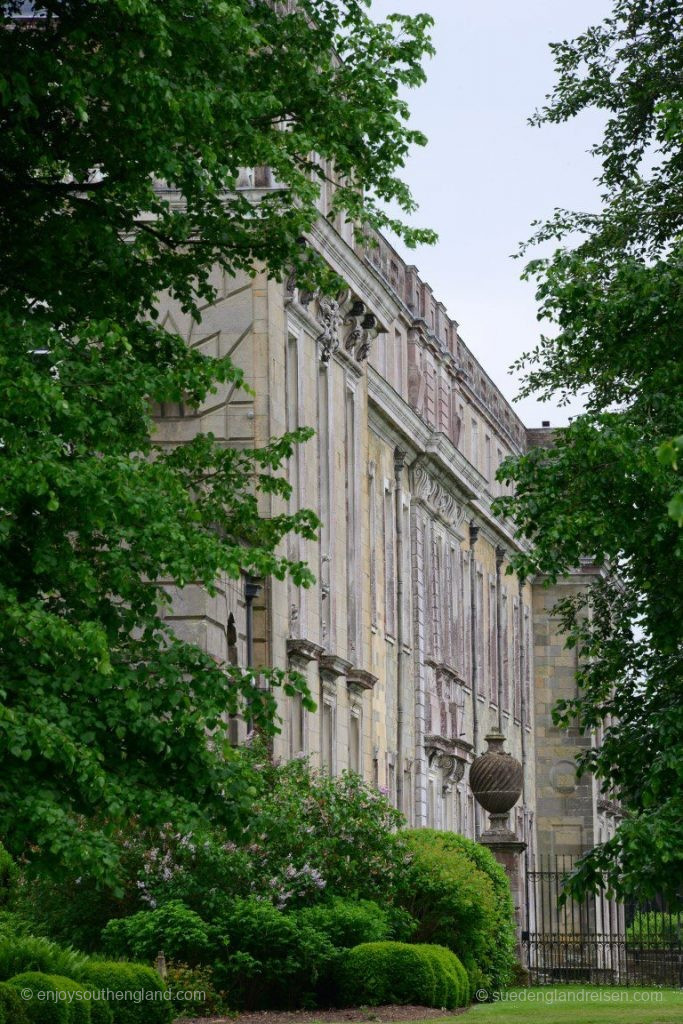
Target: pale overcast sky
(485, 174)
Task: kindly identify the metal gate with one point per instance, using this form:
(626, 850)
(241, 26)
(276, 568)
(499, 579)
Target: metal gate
(597, 941)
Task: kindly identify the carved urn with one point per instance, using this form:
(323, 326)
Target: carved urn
(496, 780)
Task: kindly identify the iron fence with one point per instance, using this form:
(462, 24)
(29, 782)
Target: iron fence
(597, 941)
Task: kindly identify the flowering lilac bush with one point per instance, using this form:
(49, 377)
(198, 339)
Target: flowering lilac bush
(309, 837)
(306, 839)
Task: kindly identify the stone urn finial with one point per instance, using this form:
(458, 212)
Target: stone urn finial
(496, 781)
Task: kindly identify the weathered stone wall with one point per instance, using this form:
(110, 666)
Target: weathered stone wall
(567, 811)
(414, 639)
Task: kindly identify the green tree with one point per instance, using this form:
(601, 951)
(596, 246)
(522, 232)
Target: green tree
(608, 488)
(123, 128)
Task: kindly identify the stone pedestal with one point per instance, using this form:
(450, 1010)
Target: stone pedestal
(508, 850)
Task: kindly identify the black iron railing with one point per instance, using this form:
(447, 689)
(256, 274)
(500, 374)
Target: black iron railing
(598, 941)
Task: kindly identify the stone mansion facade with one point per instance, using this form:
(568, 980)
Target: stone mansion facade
(415, 640)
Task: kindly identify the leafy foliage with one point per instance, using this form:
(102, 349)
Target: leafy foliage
(98, 721)
(104, 100)
(460, 896)
(348, 923)
(206, 1000)
(259, 955)
(310, 832)
(340, 842)
(610, 488)
(308, 836)
(179, 932)
(271, 959)
(451, 984)
(123, 129)
(19, 954)
(8, 878)
(654, 929)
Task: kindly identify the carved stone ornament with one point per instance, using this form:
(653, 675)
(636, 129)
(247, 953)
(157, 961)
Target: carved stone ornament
(333, 314)
(435, 496)
(329, 318)
(353, 321)
(362, 329)
(453, 769)
(369, 326)
(610, 807)
(450, 756)
(496, 780)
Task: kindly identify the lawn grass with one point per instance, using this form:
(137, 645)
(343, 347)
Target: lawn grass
(575, 1004)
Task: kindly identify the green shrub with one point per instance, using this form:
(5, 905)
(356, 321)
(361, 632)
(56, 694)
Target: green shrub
(57, 1007)
(272, 959)
(459, 894)
(13, 923)
(308, 836)
(348, 923)
(451, 984)
(402, 925)
(8, 879)
(208, 1002)
(179, 932)
(100, 1011)
(375, 973)
(654, 929)
(19, 953)
(148, 1000)
(12, 1007)
(74, 911)
(310, 833)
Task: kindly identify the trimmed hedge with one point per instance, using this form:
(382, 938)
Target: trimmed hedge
(12, 1007)
(461, 896)
(20, 953)
(57, 1008)
(376, 973)
(100, 1011)
(147, 1003)
(452, 986)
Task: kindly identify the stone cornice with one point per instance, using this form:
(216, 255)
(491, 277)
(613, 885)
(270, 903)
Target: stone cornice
(445, 672)
(303, 650)
(435, 453)
(437, 745)
(361, 678)
(413, 320)
(333, 665)
(451, 756)
(610, 807)
(496, 530)
(361, 277)
(574, 577)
